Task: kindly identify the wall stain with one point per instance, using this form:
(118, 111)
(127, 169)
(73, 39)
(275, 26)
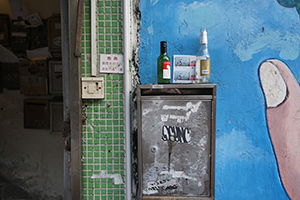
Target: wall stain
(170, 144)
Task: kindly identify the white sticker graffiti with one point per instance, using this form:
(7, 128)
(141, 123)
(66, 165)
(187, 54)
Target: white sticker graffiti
(191, 108)
(177, 174)
(154, 186)
(103, 174)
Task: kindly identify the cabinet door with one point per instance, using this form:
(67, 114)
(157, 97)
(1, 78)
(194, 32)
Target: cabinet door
(176, 147)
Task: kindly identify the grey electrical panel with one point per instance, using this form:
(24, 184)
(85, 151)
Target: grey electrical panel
(176, 141)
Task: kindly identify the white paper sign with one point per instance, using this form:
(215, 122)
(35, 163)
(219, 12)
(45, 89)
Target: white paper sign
(184, 68)
(18, 9)
(111, 63)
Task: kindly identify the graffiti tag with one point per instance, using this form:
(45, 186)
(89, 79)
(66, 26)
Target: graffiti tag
(155, 186)
(176, 134)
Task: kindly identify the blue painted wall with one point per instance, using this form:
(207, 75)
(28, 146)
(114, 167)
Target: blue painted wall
(241, 35)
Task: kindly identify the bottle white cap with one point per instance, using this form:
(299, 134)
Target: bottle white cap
(203, 39)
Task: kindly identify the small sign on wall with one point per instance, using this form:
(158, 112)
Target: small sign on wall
(111, 63)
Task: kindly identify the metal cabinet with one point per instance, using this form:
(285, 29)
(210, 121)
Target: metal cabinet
(36, 113)
(176, 141)
(56, 116)
(55, 77)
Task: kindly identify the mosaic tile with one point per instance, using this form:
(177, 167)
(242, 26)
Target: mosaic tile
(103, 145)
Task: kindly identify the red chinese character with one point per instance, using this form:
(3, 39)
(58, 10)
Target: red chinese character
(108, 58)
(115, 58)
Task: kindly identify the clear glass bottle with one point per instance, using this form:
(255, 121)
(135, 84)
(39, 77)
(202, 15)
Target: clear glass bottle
(163, 65)
(203, 60)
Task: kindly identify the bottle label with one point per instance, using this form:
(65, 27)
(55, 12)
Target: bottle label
(166, 70)
(205, 67)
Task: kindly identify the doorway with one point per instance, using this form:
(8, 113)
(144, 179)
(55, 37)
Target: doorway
(31, 113)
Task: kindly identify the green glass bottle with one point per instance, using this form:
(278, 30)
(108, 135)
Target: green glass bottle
(163, 65)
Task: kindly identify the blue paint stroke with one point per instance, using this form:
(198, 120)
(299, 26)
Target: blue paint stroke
(196, 15)
(287, 44)
(150, 30)
(153, 2)
(243, 149)
(239, 159)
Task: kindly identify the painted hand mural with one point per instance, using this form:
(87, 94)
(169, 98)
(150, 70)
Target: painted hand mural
(282, 94)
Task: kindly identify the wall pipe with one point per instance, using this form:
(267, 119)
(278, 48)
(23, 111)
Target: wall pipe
(93, 38)
(127, 98)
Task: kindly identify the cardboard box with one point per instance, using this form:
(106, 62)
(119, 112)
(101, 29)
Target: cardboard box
(33, 77)
(20, 38)
(4, 30)
(39, 36)
(54, 33)
(1, 80)
(10, 76)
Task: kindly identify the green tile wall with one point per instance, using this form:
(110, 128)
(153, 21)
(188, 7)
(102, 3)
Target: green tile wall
(103, 139)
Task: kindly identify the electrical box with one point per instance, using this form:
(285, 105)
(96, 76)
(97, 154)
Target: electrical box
(56, 116)
(176, 141)
(10, 76)
(92, 88)
(20, 38)
(4, 30)
(36, 114)
(54, 33)
(55, 77)
(33, 77)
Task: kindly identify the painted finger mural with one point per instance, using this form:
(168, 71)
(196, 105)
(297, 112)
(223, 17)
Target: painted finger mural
(282, 94)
